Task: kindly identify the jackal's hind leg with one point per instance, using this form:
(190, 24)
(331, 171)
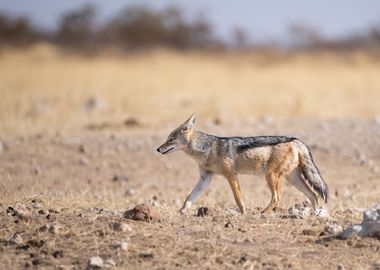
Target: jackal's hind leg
(295, 178)
(235, 186)
(273, 181)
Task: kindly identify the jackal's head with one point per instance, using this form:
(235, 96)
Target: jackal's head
(179, 138)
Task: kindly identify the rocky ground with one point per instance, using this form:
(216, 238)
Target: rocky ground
(63, 198)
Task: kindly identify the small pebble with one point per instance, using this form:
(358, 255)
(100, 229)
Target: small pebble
(96, 262)
(120, 245)
(16, 239)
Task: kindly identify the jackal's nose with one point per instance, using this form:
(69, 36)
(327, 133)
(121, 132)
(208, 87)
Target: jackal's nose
(158, 150)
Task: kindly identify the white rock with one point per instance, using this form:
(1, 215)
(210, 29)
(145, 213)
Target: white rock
(299, 212)
(333, 229)
(371, 221)
(153, 202)
(370, 225)
(96, 262)
(322, 212)
(129, 192)
(120, 245)
(233, 211)
(109, 263)
(352, 231)
(16, 239)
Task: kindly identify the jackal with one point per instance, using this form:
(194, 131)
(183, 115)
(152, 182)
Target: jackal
(277, 157)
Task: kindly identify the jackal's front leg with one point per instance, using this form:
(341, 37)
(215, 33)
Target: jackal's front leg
(204, 181)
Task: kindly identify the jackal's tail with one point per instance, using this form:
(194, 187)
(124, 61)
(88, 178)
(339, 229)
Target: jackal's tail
(311, 173)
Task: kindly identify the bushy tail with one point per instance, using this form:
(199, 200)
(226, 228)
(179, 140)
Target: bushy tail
(311, 172)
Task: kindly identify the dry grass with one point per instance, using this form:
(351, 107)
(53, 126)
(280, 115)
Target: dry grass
(44, 89)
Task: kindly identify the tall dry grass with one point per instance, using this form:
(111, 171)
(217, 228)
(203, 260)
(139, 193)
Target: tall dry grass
(44, 89)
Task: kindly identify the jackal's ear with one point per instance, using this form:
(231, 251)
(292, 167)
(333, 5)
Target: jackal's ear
(190, 123)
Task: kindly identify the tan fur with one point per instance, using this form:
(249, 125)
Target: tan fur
(287, 159)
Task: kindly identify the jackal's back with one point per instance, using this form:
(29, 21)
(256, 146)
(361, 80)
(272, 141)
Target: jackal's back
(241, 154)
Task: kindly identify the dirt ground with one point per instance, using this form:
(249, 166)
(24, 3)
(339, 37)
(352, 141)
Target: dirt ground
(71, 189)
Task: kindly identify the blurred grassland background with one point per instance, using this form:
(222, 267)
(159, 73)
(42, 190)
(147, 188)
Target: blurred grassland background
(135, 66)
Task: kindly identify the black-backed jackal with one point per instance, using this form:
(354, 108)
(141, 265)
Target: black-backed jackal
(277, 157)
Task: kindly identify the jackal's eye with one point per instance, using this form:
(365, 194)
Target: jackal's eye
(170, 139)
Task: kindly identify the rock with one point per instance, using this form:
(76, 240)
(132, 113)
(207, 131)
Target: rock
(146, 255)
(120, 245)
(249, 241)
(205, 211)
(120, 178)
(300, 212)
(44, 228)
(16, 239)
(228, 225)
(120, 226)
(55, 228)
(142, 212)
(333, 229)
(95, 262)
(340, 267)
(233, 211)
(370, 225)
(109, 263)
(82, 149)
(58, 254)
(129, 192)
(36, 261)
(352, 231)
(132, 122)
(20, 212)
(322, 212)
(153, 202)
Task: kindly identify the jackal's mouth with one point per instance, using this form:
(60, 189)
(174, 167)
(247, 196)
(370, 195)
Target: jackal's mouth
(167, 151)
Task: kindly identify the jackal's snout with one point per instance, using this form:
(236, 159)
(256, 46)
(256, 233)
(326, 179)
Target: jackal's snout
(159, 149)
(165, 148)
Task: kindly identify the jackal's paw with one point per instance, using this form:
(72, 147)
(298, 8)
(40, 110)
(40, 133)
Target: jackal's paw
(182, 211)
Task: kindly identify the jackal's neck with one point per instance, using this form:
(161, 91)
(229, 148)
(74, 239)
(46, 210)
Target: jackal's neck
(199, 144)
